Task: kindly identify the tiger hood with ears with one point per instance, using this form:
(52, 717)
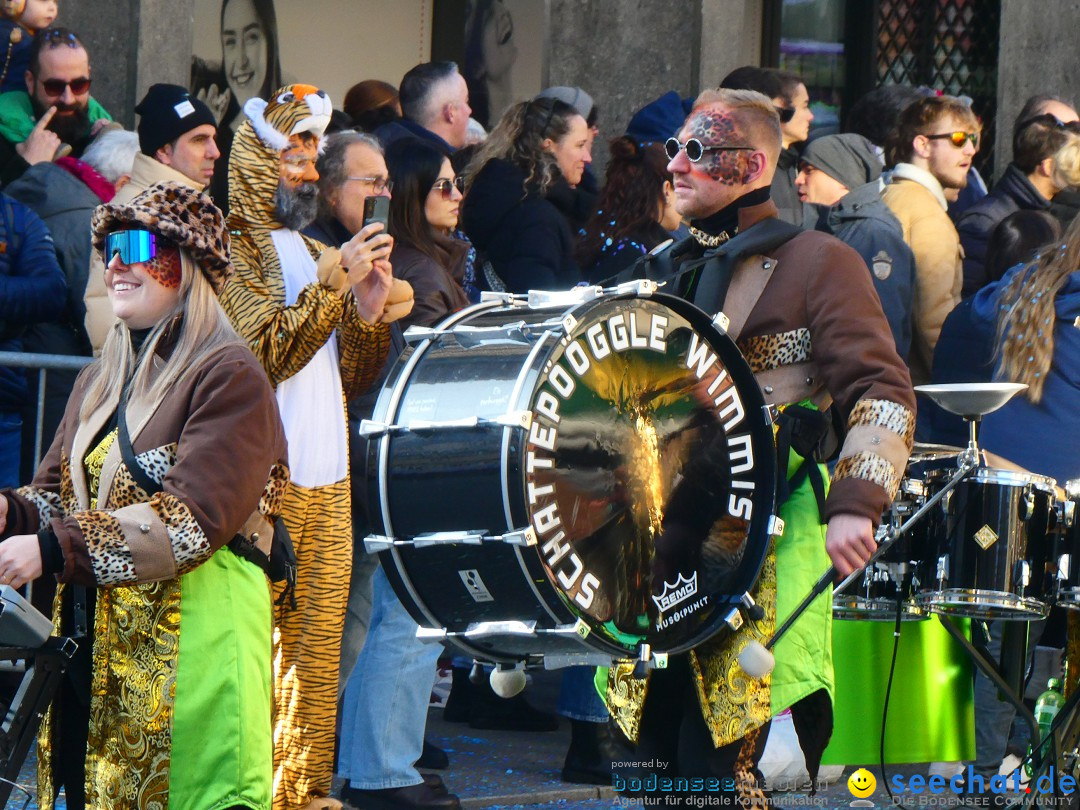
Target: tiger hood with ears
(253, 162)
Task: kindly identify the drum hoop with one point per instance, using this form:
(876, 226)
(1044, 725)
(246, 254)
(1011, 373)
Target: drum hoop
(995, 475)
(749, 568)
(504, 463)
(393, 403)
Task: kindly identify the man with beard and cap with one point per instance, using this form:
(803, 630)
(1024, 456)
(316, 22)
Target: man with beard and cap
(317, 318)
(56, 115)
(839, 175)
(176, 142)
(803, 312)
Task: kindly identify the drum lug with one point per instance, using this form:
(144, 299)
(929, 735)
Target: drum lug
(1024, 574)
(503, 628)
(514, 419)
(1064, 567)
(647, 660)
(374, 543)
(772, 413)
(642, 286)
(775, 526)
(721, 322)
(431, 635)
(734, 619)
(942, 569)
(443, 538)
(539, 299)
(370, 429)
(752, 610)
(518, 537)
(1029, 506)
(504, 298)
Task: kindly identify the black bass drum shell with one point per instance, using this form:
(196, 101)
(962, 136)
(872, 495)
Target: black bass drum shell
(642, 478)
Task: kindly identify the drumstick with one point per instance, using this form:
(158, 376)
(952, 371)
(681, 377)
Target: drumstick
(757, 660)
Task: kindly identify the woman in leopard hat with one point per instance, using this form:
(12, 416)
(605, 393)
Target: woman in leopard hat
(170, 447)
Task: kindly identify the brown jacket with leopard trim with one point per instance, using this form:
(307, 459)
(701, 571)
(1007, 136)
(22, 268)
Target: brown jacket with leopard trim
(216, 446)
(817, 331)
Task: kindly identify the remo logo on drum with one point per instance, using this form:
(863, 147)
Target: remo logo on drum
(649, 471)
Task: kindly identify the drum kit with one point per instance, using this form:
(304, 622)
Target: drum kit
(998, 543)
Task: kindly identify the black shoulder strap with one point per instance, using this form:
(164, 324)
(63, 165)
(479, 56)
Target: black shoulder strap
(127, 452)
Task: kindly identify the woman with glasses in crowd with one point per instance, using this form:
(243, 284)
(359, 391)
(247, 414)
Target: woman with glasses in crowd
(423, 213)
(170, 448)
(519, 196)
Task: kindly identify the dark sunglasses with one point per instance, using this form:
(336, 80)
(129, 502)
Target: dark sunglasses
(957, 139)
(54, 88)
(447, 186)
(133, 246)
(1049, 120)
(785, 113)
(695, 149)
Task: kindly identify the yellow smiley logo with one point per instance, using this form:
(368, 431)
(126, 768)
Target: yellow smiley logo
(861, 783)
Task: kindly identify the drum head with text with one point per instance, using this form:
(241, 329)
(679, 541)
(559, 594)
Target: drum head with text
(649, 472)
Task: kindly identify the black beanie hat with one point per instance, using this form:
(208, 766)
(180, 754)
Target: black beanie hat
(168, 111)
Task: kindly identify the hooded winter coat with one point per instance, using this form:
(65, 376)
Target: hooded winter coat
(522, 233)
(1012, 193)
(862, 220)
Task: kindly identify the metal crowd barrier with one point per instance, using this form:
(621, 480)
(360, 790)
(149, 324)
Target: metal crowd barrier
(44, 363)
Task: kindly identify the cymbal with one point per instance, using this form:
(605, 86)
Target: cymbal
(971, 400)
(926, 451)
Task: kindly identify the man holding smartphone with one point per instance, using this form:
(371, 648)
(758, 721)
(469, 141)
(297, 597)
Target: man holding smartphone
(391, 682)
(318, 320)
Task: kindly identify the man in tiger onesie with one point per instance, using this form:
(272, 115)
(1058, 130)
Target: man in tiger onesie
(317, 320)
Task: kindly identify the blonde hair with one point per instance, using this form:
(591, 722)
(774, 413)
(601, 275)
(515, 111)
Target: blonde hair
(203, 329)
(1026, 325)
(1067, 163)
(754, 113)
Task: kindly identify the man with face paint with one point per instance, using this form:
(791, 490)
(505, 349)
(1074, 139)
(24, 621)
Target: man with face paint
(317, 318)
(804, 313)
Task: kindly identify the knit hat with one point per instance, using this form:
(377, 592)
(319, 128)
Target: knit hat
(168, 111)
(660, 119)
(848, 158)
(574, 96)
(178, 213)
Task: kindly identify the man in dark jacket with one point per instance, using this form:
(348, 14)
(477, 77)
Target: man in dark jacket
(31, 290)
(840, 175)
(434, 105)
(1027, 185)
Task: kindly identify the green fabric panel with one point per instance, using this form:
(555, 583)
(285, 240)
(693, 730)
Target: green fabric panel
(17, 115)
(804, 655)
(222, 746)
(931, 707)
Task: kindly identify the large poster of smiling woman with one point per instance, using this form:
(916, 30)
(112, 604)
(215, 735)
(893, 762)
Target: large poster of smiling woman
(246, 48)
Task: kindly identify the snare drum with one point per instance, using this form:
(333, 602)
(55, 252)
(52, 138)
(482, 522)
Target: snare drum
(893, 576)
(989, 546)
(571, 481)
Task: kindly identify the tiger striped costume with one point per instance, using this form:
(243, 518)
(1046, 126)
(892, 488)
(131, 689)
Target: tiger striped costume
(316, 351)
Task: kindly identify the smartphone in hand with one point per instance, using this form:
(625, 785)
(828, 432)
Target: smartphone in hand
(377, 209)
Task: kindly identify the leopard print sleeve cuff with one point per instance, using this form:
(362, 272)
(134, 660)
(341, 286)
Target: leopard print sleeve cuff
(878, 444)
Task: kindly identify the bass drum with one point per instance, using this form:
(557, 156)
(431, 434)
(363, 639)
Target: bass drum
(571, 481)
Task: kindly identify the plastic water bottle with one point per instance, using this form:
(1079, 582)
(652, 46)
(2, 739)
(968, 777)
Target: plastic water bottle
(1047, 707)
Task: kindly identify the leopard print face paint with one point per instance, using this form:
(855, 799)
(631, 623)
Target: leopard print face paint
(165, 267)
(715, 128)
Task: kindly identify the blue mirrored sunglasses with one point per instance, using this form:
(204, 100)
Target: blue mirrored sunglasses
(133, 246)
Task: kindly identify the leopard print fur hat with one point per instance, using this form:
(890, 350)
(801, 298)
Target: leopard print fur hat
(178, 213)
